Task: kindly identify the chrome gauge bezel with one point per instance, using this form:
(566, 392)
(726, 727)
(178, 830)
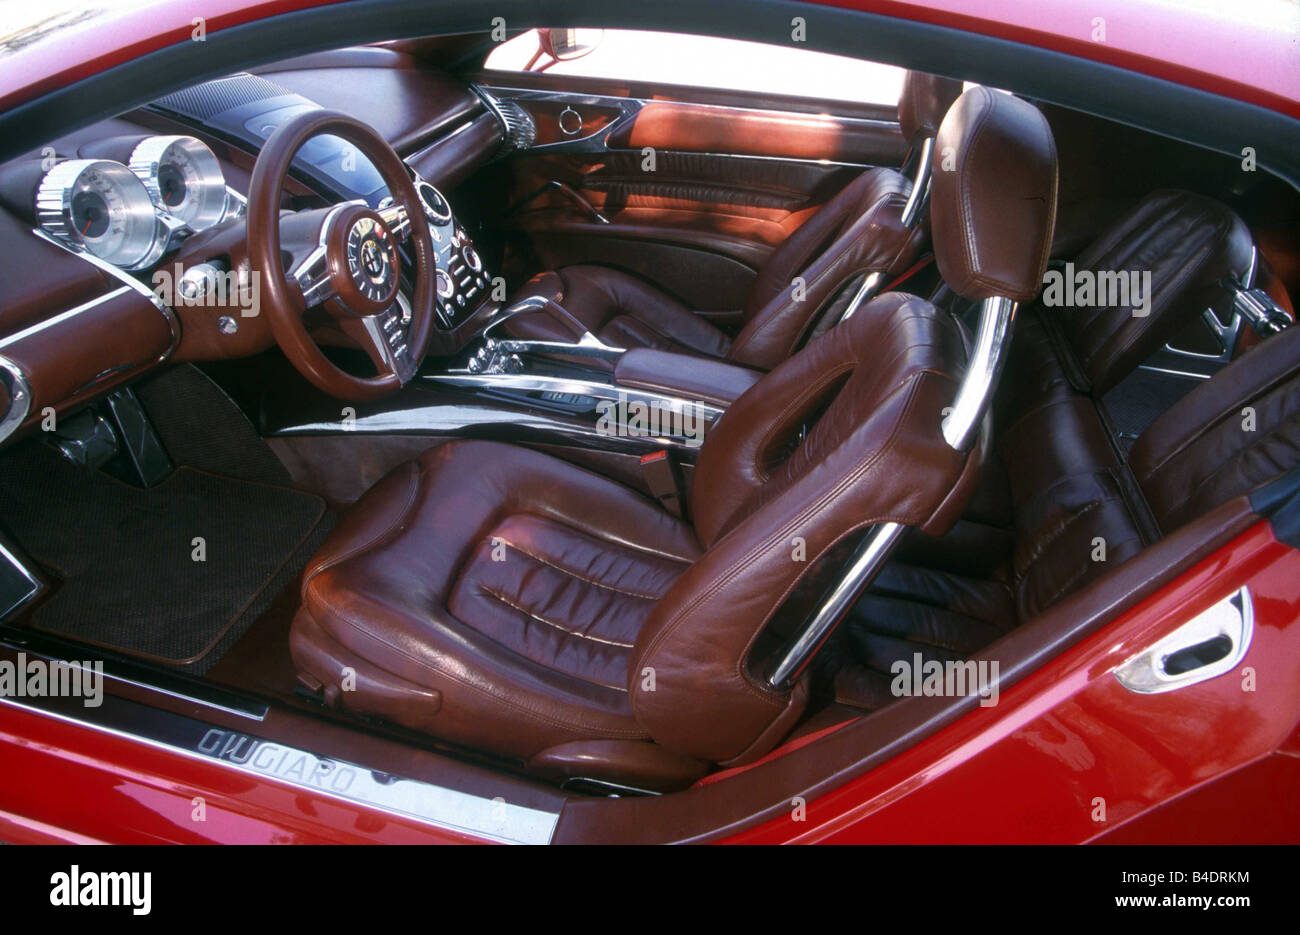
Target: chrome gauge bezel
(146, 239)
(153, 154)
(441, 218)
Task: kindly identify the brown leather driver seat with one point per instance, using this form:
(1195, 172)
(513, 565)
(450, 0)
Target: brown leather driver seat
(863, 229)
(499, 598)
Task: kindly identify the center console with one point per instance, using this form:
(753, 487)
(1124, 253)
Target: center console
(462, 281)
(480, 381)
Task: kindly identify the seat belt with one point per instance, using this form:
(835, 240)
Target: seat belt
(663, 477)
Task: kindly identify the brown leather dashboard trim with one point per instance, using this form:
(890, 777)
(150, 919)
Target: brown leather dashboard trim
(454, 157)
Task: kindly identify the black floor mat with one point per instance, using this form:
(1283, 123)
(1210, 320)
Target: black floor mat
(201, 427)
(127, 557)
(1142, 396)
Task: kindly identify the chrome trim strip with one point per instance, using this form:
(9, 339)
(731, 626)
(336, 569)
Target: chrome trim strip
(478, 419)
(40, 326)
(962, 423)
(415, 800)
(867, 560)
(1174, 373)
(19, 391)
(866, 292)
(173, 323)
(603, 391)
(9, 553)
(920, 185)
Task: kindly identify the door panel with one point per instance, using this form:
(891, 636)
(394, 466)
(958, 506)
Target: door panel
(692, 188)
(707, 128)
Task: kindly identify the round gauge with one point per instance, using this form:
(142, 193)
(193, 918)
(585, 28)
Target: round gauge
(446, 288)
(99, 206)
(471, 258)
(183, 178)
(435, 205)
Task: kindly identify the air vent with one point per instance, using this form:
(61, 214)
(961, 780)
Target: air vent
(517, 124)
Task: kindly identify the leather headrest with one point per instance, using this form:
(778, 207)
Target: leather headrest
(993, 196)
(923, 101)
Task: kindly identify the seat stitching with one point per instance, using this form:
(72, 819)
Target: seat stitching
(551, 623)
(573, 574)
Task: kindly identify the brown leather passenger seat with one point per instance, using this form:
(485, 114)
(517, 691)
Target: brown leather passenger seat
(1060, 504)
(860, 230)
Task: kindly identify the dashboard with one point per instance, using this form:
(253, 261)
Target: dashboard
(170, 188)
(95, 224)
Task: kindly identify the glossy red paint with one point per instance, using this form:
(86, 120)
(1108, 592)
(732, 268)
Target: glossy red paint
(1247, 51)
(65, 783)
(1027, 770)
(112, 36)
(1032, 768)
(1235, 51)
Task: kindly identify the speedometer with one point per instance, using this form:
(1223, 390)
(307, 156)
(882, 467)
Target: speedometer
(183, 177)
(99, 206)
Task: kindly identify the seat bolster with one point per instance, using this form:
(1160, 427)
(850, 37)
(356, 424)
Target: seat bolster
(1229, 435)
(876, 240)
(619, 309)
(873, 453)
(820, 231)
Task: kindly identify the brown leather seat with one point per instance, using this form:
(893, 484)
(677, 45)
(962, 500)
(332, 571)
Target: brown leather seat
(1059, 483)
(860, 230)
(1228, 436)
(1190, 244)
(505, 600)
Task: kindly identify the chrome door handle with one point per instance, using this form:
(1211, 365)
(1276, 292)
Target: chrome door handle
(1210, 644)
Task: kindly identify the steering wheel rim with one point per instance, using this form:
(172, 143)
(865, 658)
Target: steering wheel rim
(282, 298)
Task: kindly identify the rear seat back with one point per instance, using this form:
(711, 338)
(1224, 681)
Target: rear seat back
(1231, 434)
(1189, 244)
(1060, 504)
(1077, 508)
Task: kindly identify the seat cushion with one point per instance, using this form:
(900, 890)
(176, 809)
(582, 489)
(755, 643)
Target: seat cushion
(493, 594)
(619, 309)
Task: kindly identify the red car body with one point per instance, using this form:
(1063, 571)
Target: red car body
(1078, 743)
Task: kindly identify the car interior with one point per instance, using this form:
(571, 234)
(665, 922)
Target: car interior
(324, 390)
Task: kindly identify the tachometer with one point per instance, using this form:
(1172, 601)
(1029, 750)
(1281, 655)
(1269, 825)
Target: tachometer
(99, 206)
(183, 177)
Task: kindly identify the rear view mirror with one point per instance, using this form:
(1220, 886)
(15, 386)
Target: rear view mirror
(562, 45)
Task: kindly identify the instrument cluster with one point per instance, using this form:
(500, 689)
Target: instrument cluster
(130, 215)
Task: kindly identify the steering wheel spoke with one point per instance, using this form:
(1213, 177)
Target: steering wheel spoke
(312, 276)
(385, 339)
(397, 219)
